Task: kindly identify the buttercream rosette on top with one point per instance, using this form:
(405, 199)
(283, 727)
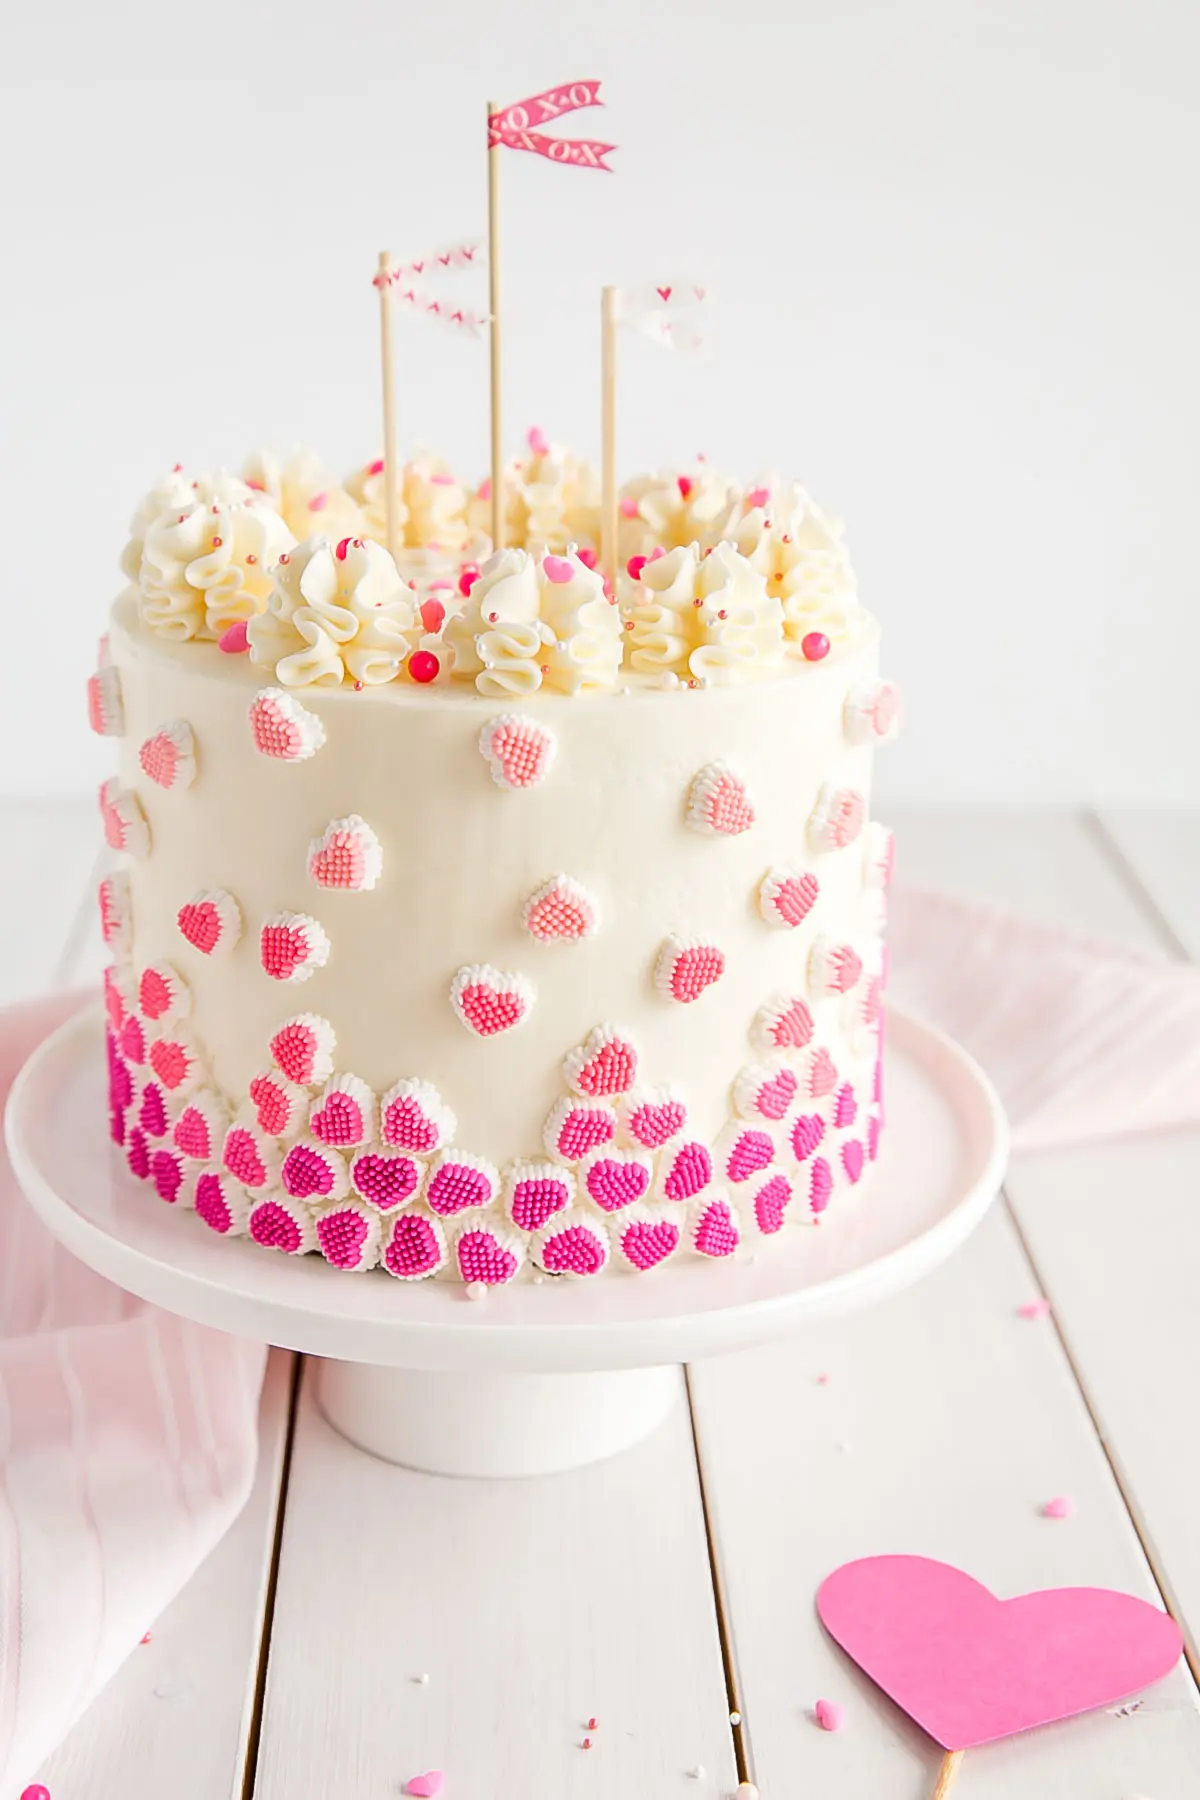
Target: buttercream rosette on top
(477, 917)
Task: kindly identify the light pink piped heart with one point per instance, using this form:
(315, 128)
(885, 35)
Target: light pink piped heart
(427, 1785)
(970, 1668)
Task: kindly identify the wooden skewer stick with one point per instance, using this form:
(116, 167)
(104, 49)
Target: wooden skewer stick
(388, 372)
(608, 432)
(497, 440)
(948, 1773)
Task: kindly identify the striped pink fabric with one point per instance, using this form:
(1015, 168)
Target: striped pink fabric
(128, 1437)
(128, 1441)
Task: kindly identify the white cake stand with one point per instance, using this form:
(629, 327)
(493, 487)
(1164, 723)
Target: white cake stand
(538, 1377)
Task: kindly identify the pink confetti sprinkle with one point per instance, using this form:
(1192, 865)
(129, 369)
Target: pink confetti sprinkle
(146, 1636)
(377, 467)
(235, 641)
(1061, 1507)
(829, 1715)
(822, 1380)
(538, 442)
(758, 496)
(425, 1786)
(485, 490)
(1034, 1309)
(318, 503)
(628, 509)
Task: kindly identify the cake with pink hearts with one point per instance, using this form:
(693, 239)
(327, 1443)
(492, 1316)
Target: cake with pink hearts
(476, 918)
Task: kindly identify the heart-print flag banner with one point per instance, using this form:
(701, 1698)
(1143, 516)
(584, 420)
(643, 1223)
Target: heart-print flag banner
(513, 126)
(970, 1668)
(670, 313)
(407, 284)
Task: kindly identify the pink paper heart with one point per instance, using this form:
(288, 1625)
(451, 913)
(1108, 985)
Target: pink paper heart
(425, 1786)
(970, 1668)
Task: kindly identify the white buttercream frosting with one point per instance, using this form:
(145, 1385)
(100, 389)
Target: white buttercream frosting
(533, 621)
(207, 560)
(800, 550)
(669, 511)
(336, 613)
(708, 619)
(304, 494)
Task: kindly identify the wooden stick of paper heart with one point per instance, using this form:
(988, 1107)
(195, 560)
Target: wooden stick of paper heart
(608, 435)
(948, 1773)
(387, 360)
(497, 433)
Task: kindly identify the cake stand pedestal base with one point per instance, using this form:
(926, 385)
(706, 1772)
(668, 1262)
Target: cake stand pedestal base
(541, 1375)
(494, 1424)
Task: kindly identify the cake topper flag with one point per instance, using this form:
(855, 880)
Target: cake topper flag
(405, 284)
(514, 128)
(971, 1669)
(671, 314)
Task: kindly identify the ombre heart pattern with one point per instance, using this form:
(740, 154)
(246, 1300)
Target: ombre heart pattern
(821, 1075)
(651, 1117)
(303, 1049)
(518, 750)
(414, 1247)
(718, 802)
(175, 1063)
(489, 1001)
(344, 1113)
(806, 1133)
(686, 967)
(605, 1064)
(784, 1023)
(292, 946)
(283, 728)
(346, 855)
(279, 1104)
(574, 1127)
(769, 1202)
(312, 1171)
(615, 1179)
(571, 1248)
(169, 757)
(713, 1229)
(414, 1117)
(645, 1238)
(687, 1171)
(211, 922)
(535, 1192)
(486, 1254)
(386, 1178)
(762, 1092)
(561, 911)
(785, 898)
(459, 1183)
(836, 819)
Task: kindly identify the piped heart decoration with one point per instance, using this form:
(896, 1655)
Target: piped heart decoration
(686, 967)
(644, 1239)
(489, 1001)
(764, 1093)
(518, 750)
(653, 1116)
(211, 922)
(605, 1064)
(169, 757)
(970, 1668)
(292, 946)
(784, 1023)
(615, 1179)
(344, 1115)
(785, 899)
(562, 910)
(836, 819)
(303, 1049)
(713, 1229)
(832, 968)
(386, 1179)
(346, 855)
(413, 1116)
(718, 802)
(282, 728)
(873, 713)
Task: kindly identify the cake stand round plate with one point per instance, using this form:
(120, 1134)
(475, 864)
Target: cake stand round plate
(539, 1376)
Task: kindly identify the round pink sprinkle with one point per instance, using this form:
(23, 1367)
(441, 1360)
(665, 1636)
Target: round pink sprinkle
(1061, 1507)
(587, 557)
(815, 646)
(1034, 1309)
(433, 614)
(423, 666)
(829, 1715)
(426, 1785)
(685, 485)
(628, 509)
(36, 1792)
(537, 441)
(634, 567)
(376, 468)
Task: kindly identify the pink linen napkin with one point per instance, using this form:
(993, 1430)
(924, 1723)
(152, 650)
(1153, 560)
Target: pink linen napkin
(128, 1442)
(122, 1427)
(1083, 1038)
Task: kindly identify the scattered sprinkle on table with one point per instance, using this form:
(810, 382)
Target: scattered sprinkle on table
(36, 1792)
(829, 1715)
(421, 1680)
(696, 1774)
(746, 1791)
(427, 1785)
(146, 1636)
(735, 1718)
(1061, 1507)
(1034, 1309)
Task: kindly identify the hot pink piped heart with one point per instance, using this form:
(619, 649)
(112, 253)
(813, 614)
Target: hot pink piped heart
(750, 1152)
(154, 994)
(852, 1159)
(482, 1258)
(716, 1234)
(647, 1243)
(192, 1135)
(339, 1120)
(341, 1236)
(537, 1199)
(200, 923)
(771, 1203)
(170, 1062)
(653, 1123)
(776, 1094)
(691, 1171)
(614, 1182)
(386, 1181)
(970, 1668)
(807, 1133)
(820, 1185)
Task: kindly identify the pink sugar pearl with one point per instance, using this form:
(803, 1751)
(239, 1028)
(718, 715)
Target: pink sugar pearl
(468, 578)
(423, 666)
(829, 1715)
(36, 1792)
(815, 646)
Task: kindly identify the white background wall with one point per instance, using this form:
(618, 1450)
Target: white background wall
(955, 248)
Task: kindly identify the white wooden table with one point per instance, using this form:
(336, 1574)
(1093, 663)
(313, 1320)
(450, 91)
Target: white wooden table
(661, 1590)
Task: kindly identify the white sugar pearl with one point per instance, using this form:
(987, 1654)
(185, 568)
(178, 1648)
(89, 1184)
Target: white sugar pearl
(477, 1290)
(746, 1791)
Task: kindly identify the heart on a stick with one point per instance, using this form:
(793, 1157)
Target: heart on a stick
(970, 1668)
